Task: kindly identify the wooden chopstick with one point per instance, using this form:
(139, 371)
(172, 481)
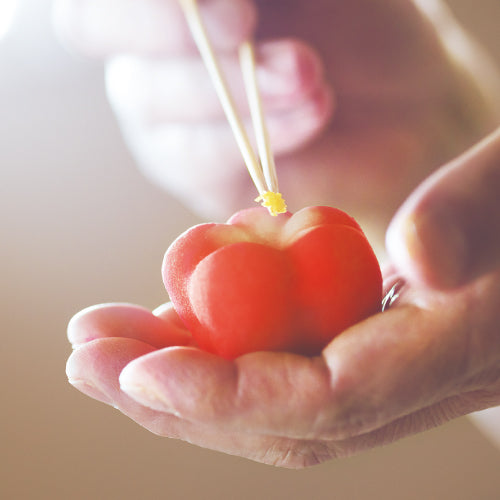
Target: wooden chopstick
(248, 66)
(263, 172)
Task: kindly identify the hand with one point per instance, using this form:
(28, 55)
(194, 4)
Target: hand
(401, 372)
(432, 356)
(363, 100)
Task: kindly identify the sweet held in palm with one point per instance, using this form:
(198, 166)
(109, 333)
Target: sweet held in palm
(284, 283)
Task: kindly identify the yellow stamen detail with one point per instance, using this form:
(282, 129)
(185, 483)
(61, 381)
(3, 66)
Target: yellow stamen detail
(274, 202)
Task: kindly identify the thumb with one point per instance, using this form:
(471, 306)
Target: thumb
(448, 232)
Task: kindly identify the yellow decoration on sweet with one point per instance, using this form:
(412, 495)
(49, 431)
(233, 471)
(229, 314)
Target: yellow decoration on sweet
(274, 202)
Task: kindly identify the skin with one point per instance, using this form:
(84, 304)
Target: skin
(354, 124)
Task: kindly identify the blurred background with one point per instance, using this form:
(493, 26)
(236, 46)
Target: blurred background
(79, 225)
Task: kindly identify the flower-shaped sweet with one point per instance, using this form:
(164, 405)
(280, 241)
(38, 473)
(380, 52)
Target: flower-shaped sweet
(287, 283)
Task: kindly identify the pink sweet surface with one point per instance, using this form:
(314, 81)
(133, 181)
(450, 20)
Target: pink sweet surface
(286, 283)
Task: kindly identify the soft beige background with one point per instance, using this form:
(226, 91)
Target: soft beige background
(78, 226)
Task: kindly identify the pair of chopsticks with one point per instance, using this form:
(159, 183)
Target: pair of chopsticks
(263, 170)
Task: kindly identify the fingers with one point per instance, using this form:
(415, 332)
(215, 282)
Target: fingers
(179, 89)
(394, 364)
(128, 321)
(106, 27)
(264, 393)
(403, 371)
(448, 232)
(94, 369)
(197, 162)
(95, 366)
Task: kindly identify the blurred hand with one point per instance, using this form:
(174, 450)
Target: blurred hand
(363, 99)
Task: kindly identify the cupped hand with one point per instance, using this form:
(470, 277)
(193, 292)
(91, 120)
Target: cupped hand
(431, 357)
(363, 99)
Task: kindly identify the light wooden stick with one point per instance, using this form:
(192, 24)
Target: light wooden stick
(200, 36)
(248, 65)
(263, 173)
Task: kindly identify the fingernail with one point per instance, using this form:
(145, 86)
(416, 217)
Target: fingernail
(437, 244)
(91, 390)
(285, 70)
